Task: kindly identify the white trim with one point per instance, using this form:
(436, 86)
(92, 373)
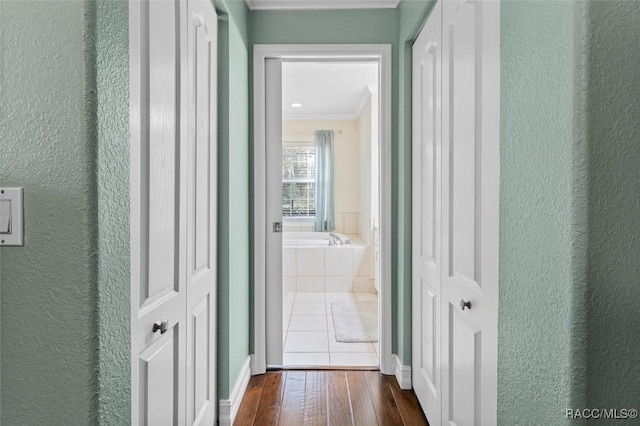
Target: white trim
(367, 92)
(338, 52)
(321, 4)
(403, 374)
(229, 407)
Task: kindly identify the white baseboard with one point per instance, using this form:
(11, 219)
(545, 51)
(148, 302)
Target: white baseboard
(229, 407)
(403, 374)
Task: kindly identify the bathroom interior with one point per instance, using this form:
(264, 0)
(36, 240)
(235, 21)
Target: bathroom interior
(330, 206)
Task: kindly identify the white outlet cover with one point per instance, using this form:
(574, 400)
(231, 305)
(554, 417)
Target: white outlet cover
(11, 217)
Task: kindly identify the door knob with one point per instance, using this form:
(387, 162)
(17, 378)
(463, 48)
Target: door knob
(163, 326)
(465, 304)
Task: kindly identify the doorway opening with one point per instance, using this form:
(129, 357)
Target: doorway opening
(322, 206)
(330, 213)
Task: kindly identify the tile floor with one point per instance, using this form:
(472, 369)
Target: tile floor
(308, 332)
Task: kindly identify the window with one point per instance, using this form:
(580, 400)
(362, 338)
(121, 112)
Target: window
(298, 181)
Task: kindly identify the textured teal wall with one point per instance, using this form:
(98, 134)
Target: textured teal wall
(412, 16)
(613, 101)
(112, 90)
(49, 315)
(347, 27)
(540, 203)
(233, 197)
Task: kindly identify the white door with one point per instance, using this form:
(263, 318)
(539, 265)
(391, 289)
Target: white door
(172, 271)
(201, 212)
(273, 297)
(470, 185)
(158, 213)
(427, 220)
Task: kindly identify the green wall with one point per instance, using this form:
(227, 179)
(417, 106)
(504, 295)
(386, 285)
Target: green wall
(112, 112)
(233, 196)
(613, 111)
(541, 202)
(49, 316)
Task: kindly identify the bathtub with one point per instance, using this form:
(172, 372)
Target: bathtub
(309, 264)
(305, 239)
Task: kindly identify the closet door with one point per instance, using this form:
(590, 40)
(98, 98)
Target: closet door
(470, 184)
(426, 219)
(173, 100)
(201, 212)
(158, 211)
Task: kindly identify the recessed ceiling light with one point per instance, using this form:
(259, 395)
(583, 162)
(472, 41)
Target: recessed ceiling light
(296, 105)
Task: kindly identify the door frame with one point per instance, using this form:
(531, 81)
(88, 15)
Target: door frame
(341, 52)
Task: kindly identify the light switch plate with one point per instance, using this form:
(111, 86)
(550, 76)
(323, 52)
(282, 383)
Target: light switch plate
(11, 217)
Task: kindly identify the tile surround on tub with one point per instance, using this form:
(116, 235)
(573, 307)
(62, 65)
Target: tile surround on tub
(361, 284)
(351, 223)
(289, 284)
(339, 218)
(361, 261)
(310, 261)
(288, 262)
(338, 261)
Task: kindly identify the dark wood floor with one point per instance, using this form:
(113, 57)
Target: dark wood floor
(292, 398)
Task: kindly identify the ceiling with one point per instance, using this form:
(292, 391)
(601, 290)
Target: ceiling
(327, 90)
(321, 4)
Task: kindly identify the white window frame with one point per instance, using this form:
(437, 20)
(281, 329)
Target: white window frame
(297, 142)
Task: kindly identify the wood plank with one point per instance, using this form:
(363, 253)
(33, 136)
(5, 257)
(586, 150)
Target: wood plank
(271, 401)
(383, 401)
(361, 404)
(315, 399)
(407, 403)
(292, 410)
(249, 405)
(339, 408)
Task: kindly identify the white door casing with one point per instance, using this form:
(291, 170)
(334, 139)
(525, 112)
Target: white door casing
(470, 187)
(426, 212)
(202, 206)
(166, 212)
(382, 55)
(468, 202)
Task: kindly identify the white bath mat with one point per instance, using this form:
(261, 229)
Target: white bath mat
(355, 321)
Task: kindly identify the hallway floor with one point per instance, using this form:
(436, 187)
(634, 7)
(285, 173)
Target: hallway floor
(309, 339)
(292, 398)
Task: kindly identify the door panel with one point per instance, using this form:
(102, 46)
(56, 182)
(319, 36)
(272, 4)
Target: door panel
(158, 387)
(158, 213)
(470, 185)
(426, 221)
(465, 142)
(202, 196)
(465, 354)
(273, 296)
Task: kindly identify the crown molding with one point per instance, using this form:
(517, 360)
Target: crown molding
(320, 4)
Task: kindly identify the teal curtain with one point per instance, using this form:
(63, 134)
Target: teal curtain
(325, 218)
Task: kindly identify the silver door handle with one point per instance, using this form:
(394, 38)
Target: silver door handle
(465, 304)
(163, 326)
(277, 226)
